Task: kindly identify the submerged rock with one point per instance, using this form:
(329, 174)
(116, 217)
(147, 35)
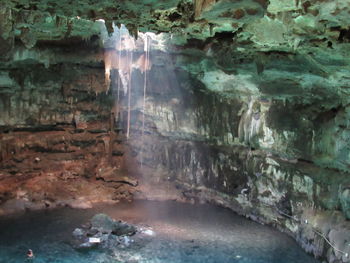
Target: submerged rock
(78, 232)
(123, 229)
(104, 232)
(105, 224)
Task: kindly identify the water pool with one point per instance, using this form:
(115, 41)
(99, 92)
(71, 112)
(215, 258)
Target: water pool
(183, 233)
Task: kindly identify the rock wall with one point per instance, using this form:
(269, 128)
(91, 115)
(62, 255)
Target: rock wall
(260, 155)
(59, 143)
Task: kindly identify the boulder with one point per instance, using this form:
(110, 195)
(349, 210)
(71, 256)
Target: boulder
(105, 224)
(103, 232)
(78, 233)
(123, 229)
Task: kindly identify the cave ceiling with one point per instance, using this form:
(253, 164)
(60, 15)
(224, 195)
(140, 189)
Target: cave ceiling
(281, 25)
(278, 48)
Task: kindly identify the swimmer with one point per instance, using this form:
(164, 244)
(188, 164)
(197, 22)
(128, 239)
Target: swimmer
(30, 254)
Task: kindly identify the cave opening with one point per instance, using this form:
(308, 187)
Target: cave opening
(174, 131)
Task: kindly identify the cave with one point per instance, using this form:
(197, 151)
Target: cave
(175, 131)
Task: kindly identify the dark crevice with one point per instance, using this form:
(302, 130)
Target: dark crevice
(305, 161)
(224, 35)
(344, 35)
(174, 16)
(117, 181)
(41, 128)
(117, 153)
(41, 149)
(327, 115)
(329, 44)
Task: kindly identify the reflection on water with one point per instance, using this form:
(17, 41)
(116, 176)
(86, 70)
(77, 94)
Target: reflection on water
(184, 233)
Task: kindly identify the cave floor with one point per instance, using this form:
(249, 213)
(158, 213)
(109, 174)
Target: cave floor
(183, 233)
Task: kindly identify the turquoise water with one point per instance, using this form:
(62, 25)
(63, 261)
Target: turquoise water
(183, 233)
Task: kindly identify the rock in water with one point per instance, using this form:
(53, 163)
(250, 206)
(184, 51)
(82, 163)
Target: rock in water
(78, 232)
(123, 229)
(103, 232)
(103, 223)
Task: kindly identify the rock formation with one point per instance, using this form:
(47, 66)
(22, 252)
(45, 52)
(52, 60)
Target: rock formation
(247, 106)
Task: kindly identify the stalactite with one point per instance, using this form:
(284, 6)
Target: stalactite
(109, 27)
(200, 5)
(124, 80)
(108, 65)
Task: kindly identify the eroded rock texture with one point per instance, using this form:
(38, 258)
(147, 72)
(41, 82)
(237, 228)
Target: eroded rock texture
(247, 106)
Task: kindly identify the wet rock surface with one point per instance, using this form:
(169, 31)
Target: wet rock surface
(103, 232)
(105, 224)
(247, 106)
